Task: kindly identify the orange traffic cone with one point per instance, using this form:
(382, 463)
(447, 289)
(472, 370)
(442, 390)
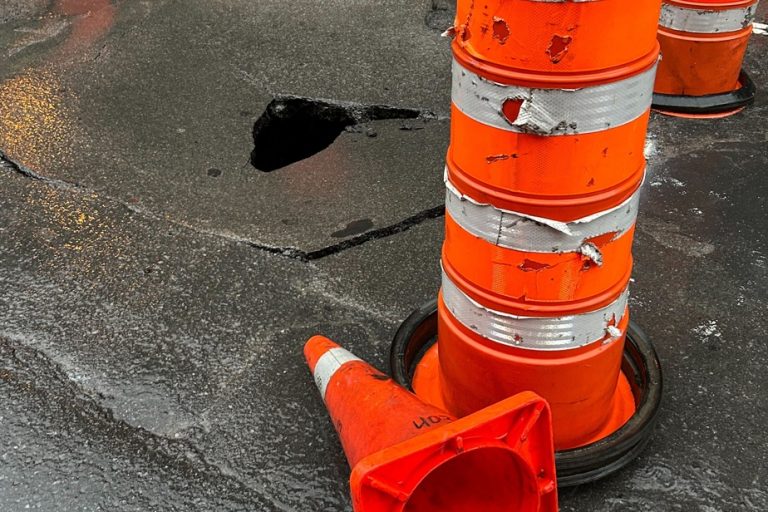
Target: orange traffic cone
(409, 456)
(702, 45)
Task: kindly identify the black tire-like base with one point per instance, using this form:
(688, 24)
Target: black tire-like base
(709, 104)
(580, 465)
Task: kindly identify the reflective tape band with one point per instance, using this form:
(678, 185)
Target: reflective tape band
(521, 232)
(328, 365)
(552, 111)
(702, 21)
(535, 333)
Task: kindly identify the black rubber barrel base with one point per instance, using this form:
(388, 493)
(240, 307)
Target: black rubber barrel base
(710, 103)
(580, 465)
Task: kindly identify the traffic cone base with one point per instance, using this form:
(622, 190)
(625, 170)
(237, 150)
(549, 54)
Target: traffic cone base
(408, 456)
(482, 451)
(710, 106)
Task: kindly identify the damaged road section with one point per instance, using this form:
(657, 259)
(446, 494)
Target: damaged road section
(293, 128)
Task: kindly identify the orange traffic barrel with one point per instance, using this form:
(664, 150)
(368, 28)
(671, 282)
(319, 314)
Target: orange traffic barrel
(407, 455)
(543, 173)
(703, 44)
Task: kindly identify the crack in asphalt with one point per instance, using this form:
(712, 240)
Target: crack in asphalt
(376, 234)
(7, 163)
(287, 252)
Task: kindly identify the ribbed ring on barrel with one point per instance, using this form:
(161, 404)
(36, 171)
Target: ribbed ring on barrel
(518, 231)
(535, 333)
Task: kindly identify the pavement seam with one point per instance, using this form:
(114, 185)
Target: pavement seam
(376, 234)
(288, 252)
(7, 163)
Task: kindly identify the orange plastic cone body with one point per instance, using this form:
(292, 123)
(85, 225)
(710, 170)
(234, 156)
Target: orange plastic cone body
(703, 45)
(550, 107)
(410, 456)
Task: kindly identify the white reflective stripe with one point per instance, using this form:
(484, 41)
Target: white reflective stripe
(553, 111)
(535, 333)
(522, 232)
(702, 21)
(328, 364)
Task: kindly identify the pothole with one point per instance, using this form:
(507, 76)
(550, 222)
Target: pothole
(293, 128)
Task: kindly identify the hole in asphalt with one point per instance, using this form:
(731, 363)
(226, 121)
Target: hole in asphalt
(294, 128)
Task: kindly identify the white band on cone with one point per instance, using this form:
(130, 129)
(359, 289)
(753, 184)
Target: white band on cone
(699, 20)
(328, 364)
(522, 232)
(553, 111)
(535, 333)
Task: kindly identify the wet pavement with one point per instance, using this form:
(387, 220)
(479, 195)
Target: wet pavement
(156, 288)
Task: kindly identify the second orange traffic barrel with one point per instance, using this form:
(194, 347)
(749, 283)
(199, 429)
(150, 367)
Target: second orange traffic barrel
(703, 44)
